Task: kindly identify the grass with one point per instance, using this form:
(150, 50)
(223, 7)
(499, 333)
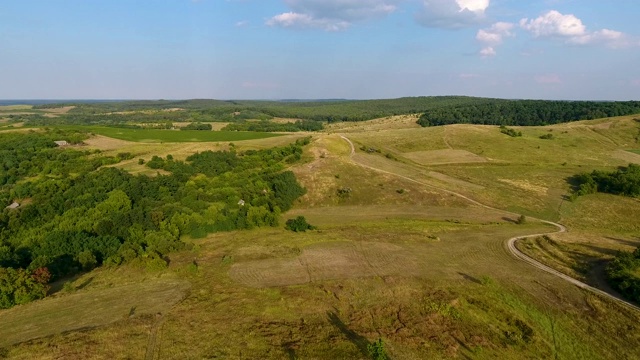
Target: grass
(637, 151)
(157, 136)
(12, 108)
(459, 296)
(88, 309)
(422, 269)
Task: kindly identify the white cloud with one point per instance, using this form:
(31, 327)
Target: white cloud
(494, 36)
(305, 21)
(496, 33)
(488, 51)
(473, 5)
(553, 24)
(452, 14)
(331, 15)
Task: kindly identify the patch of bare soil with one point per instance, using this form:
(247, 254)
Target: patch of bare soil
(331, 261)
(626, 156)
(107, 143)
(60, 110)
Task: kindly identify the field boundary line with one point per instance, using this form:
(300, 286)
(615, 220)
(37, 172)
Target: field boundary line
(510, 243)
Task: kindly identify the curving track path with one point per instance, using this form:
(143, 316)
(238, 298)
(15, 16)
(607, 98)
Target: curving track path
(510, 243)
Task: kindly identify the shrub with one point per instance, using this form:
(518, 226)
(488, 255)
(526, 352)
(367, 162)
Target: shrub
(377, 351)
(508, 131)
(299, 224)
(344, 192)
(621, 274)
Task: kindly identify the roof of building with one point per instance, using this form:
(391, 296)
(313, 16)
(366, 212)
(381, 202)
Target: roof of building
(15, 205)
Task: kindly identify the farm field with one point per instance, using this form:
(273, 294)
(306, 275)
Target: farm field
(156, 136)
(404, 257)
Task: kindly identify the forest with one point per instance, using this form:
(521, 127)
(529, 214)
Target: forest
(75, 214)
(526, 112)
(270, 126)
(436, 110)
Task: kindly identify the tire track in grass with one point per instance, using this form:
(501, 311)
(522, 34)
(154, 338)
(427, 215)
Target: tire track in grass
(509, 245)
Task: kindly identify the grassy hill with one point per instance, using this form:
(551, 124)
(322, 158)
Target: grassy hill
(397, 257)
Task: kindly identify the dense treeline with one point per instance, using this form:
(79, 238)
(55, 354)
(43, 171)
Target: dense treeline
(623, 273)
(74, 221)
(438, 110)
(198, 126)
(270, 126)
(526, 112)
(624, 181)
(326, 111)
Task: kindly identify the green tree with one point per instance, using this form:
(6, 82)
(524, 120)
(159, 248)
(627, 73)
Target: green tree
(299, 224)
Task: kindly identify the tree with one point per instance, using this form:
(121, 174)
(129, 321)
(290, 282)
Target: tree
(299, 224)
(18, 286)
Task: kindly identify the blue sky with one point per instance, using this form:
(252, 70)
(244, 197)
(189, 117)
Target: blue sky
(309, 49)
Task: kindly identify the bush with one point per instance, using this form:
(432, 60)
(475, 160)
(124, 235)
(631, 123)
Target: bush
(508, 131)
(344, 192)
(377, 351)
(621, 274)
(299, 224)
(521, 220)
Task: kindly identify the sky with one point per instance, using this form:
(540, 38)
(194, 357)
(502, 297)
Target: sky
(319, 49)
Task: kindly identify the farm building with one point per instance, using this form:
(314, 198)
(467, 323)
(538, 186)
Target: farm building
(61, 143)
(15, 205)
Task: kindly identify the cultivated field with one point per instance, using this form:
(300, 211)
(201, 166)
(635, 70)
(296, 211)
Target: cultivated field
(402, 257)
(158, 136)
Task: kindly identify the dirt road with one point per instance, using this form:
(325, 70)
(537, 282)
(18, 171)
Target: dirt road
(510, 243)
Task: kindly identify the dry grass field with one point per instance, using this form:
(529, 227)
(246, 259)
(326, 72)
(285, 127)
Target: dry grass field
(401, 258)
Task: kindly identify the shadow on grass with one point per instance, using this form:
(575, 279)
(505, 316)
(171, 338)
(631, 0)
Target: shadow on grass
(470, 278)
(626, 242)
(358, 340)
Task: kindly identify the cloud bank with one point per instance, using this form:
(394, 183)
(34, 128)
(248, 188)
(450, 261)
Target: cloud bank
(452, 14)
(330, 15)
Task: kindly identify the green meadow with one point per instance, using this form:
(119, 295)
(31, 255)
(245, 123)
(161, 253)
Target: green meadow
(155, 136)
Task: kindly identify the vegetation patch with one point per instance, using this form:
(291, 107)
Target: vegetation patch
(299, 224)
(153, 135)
(79, 310)
(624, 181)
(509, 131)
(623, 273)
(66, 213)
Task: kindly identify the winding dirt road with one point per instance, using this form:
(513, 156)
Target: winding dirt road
(510, 244)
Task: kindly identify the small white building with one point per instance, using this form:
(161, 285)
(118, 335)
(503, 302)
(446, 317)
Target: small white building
(241, 202)
(61, 143)
(15, 205)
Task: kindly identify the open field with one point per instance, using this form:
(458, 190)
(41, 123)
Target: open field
(79, 311)
(15, 107)
(153, 136)
(399, 258)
